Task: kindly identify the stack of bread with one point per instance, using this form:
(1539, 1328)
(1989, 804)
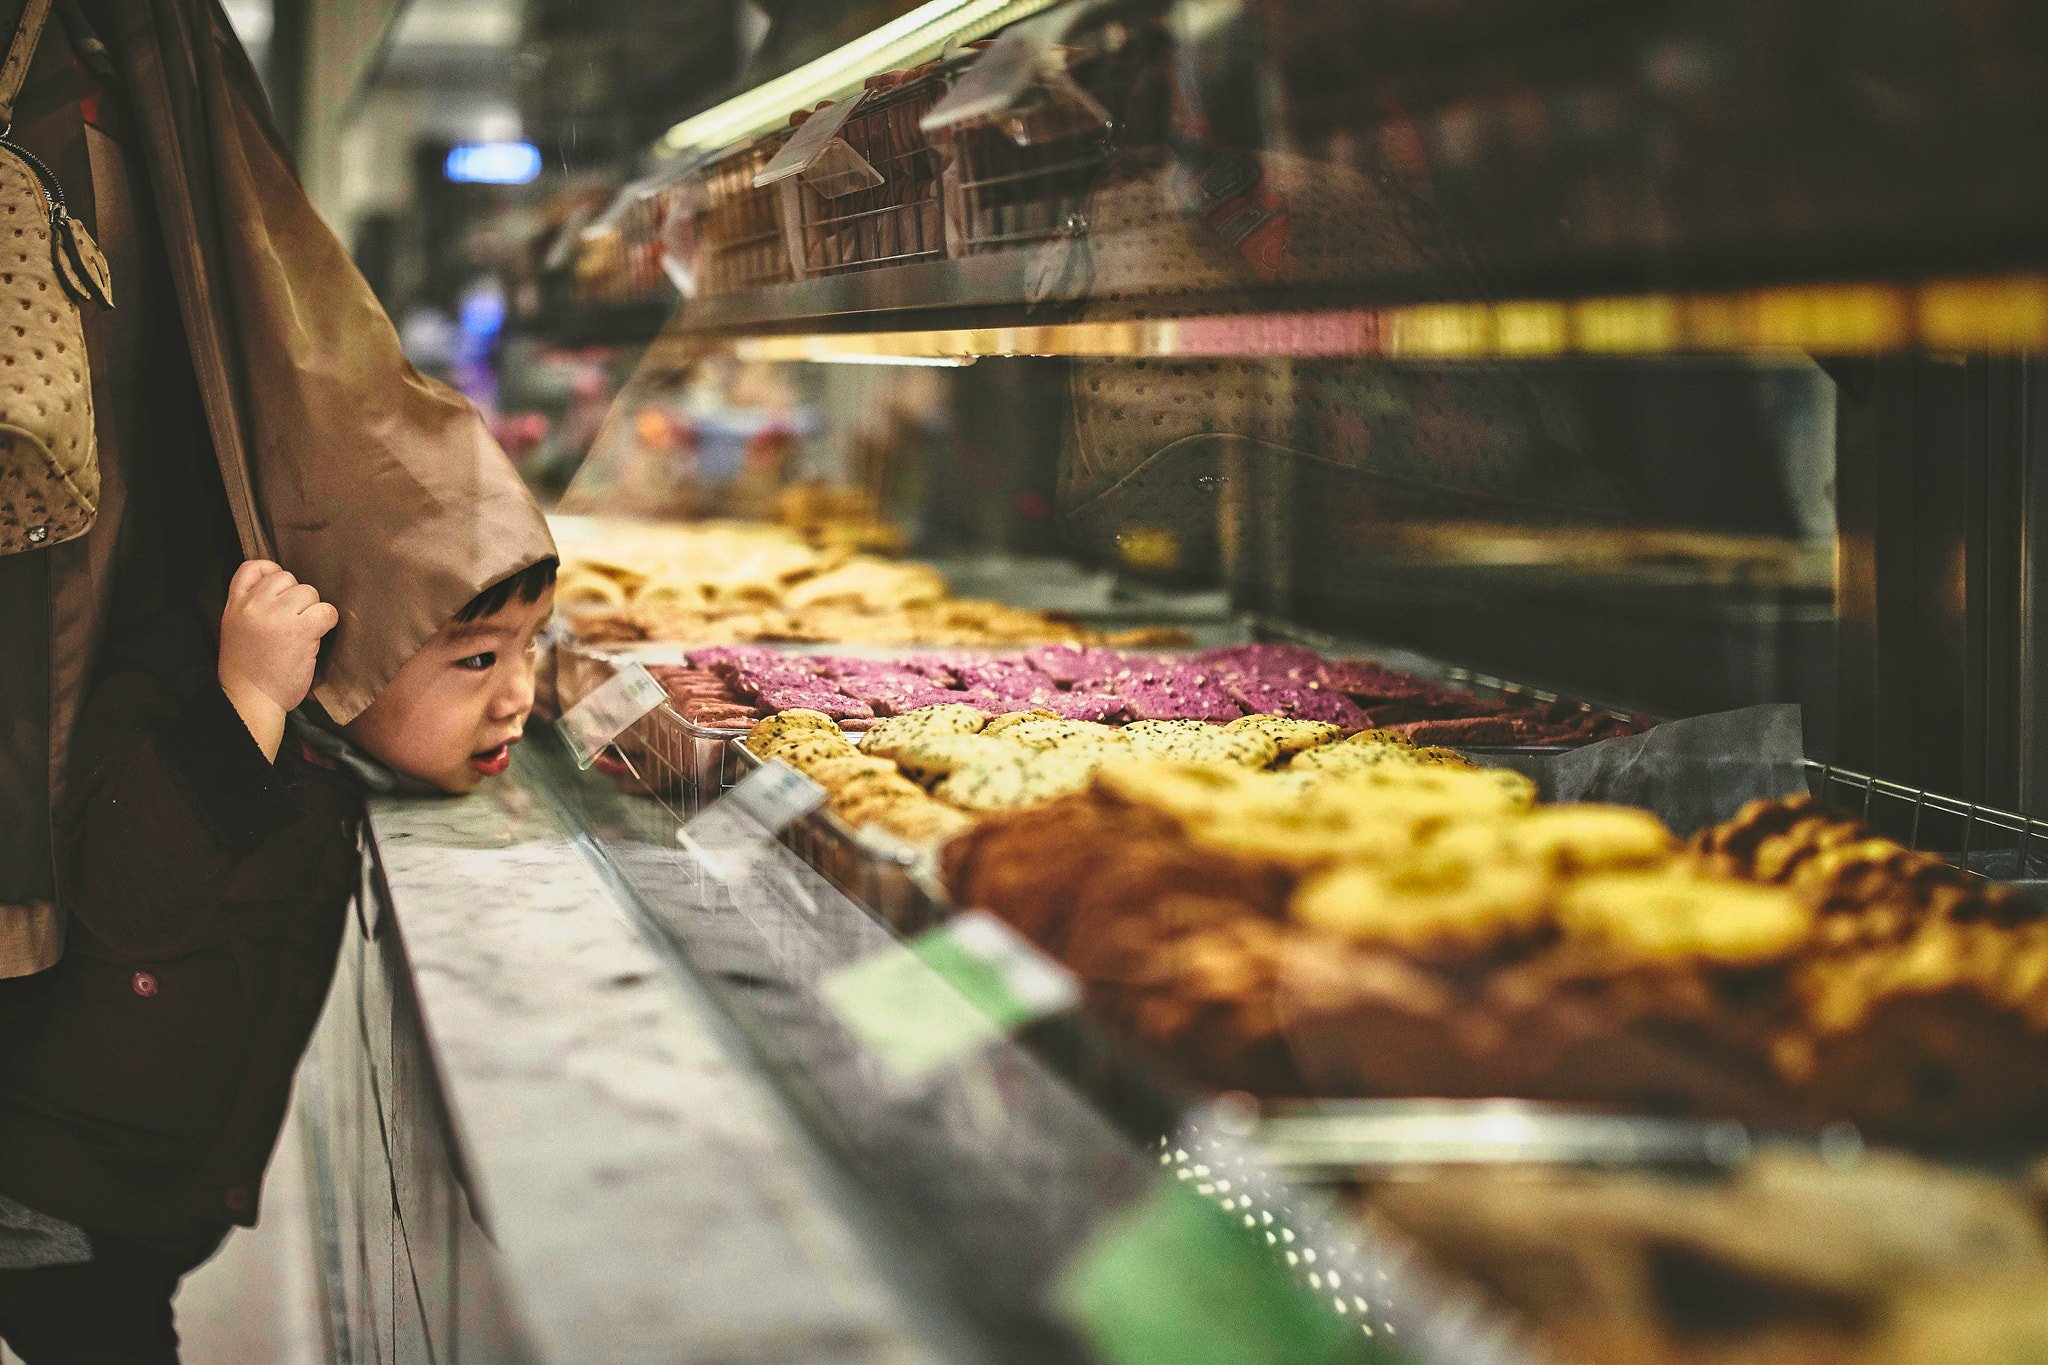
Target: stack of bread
(1401, 930)
(723, 582)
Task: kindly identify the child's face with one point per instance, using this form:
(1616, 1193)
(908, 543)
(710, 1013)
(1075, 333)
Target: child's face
(455, 710)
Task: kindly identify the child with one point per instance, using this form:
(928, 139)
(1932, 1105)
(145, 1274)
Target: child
(209, 850)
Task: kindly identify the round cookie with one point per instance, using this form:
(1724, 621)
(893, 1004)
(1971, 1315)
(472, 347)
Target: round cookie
(918, 822)
(1659, 916)
(933, 756)
(1371, 737)
(1246, 748)
(1517, 789)
(862, 796)
(1445, 903)
(998, 724)
(947, 718)
(1349, 757)
(1188, 741)
(1587, 837)
(1167, 727)
(804, 755)
(1440, 758)
(1015, 784)
(1290, 734)
(788, 723)
(834, 773)
(862, 785)
(1183, 790)
(1062, 734)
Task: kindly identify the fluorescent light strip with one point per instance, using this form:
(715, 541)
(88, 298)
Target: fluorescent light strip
(903, 41)
(2003, 314)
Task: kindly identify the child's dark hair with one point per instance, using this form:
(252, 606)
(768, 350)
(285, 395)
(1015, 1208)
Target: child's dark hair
(528, 584)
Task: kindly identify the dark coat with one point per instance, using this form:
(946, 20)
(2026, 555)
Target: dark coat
(381, 488)
(208, 890)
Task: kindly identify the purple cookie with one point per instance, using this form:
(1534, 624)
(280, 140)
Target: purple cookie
(831, 666)
(724, 658)
(1368, 682)
(827, 667)
(1163, 701)
(1067, 665)
(894, 696)
(996, 703)
(1000, 675)
(755, 678)
(815, 698)
(1262, 660)
(1079, 705)
(1163, 690)
(1304, 701)
(939, 668)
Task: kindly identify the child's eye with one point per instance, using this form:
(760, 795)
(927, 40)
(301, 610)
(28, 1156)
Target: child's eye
(478, 663)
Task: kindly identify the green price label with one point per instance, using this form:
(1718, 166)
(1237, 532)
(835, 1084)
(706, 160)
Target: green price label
(1175, 1280)
(947, 994)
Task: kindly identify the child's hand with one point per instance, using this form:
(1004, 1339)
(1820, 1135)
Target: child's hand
(269, 642)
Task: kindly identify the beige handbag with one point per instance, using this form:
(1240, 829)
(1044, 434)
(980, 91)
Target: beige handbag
(49, 265)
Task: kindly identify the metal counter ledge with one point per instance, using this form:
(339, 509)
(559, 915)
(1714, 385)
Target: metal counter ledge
(532, 1137)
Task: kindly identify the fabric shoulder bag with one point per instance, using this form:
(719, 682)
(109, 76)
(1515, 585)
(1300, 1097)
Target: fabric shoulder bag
(49, 265)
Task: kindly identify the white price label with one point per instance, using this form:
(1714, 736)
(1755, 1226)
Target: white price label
(775, 794)
(730, 835)
(605, 714)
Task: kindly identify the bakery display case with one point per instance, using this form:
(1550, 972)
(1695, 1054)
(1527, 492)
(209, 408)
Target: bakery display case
(1435, 762)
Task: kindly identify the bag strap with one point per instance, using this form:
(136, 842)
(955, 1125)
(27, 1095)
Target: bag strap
(14, 70)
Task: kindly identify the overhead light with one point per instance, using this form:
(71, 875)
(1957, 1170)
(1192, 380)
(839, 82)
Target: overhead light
(492, 163)
(902, 42)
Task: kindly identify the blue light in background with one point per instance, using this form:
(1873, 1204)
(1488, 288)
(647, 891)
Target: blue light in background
(483, 314)
(493, 163)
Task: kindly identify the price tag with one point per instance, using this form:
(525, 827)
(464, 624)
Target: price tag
(809, 140)
(1174, 1280)
(947, 993)
(730, 835)
(604, 715)
(774, 794)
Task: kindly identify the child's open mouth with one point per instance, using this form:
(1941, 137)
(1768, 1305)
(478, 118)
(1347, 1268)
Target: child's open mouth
(491, 762)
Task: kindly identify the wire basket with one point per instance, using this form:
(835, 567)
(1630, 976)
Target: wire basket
(1027, 180)
(1977, 838)
(621, 263)
(736, 228)
(1011, 196)
(896, 222)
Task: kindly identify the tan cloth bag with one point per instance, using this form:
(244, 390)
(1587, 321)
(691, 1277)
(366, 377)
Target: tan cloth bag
(49, 265)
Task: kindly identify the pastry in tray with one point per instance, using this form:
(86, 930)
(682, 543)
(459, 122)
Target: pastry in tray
(1404, 930)
(972, 764)
(1094, 683)
(1790, 1257)
(719, 582)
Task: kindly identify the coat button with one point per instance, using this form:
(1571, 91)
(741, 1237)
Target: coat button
(144, 983)
(237, 1199)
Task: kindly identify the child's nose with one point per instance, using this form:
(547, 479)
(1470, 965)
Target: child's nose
(515, 696)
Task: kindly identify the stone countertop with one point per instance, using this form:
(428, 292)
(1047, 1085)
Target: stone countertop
(650, 1195)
